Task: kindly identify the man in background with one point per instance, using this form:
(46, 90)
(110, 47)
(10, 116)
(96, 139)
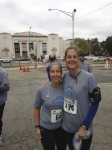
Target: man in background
(52, 58)
(4, 87)
(83, 64)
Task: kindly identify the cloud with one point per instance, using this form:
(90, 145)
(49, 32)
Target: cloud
(19, 15)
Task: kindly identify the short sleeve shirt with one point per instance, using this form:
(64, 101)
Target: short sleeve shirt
(76, 97)
(50, 100)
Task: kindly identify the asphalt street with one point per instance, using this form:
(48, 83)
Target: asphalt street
(18, 129)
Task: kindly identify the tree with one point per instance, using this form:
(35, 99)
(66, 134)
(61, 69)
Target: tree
(82, 45)
(95, 47)
(103, 48)
(109, 45)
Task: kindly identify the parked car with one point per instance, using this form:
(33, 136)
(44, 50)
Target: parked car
(102, 58)
(25, 59)
(109, 58)
(6, 59)
(21, 59)
(15, 59)
(89, 57)
(99, 58)
(95, 59)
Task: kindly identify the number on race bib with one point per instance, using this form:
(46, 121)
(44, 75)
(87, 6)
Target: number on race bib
(70, 106)
(56, 115)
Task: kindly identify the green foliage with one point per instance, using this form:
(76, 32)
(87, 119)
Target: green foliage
(82, 45)
(94, 47)
(109, 45)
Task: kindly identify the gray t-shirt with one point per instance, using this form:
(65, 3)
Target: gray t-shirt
(50, 100)
(76, 101)
(3, 81)
(86, 66)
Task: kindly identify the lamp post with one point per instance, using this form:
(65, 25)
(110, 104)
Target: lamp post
(70, 14)
(29, 42)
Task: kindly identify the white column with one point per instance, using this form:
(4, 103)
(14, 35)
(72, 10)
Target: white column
(106, 65)
(28, 51)
(20, 49)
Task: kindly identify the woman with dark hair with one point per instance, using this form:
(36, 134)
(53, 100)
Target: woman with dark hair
(48, 111)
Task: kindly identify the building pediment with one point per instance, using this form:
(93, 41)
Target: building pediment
(27, 34)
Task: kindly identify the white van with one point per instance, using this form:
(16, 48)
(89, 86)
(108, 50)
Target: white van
(6, 60)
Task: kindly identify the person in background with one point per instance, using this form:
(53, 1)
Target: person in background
(84, 65)
(4, 88)
(81, 101)
(48, 111)
(52, 58)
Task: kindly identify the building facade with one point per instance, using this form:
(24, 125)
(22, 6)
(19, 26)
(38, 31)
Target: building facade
(31, 44)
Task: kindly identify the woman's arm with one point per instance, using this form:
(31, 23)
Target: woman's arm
(37, 122)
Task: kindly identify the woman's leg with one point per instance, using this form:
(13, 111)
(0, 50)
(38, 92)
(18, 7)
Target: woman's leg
(60, 139)
(87, 143)
(48, 139)
(69, 139)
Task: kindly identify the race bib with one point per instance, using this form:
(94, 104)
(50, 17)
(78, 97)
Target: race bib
(56, 115)
(70, 106)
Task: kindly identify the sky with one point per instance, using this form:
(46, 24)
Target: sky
(92, 19)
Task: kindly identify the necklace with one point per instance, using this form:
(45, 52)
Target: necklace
(52, 85)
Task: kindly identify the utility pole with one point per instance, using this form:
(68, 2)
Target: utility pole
(70, 14)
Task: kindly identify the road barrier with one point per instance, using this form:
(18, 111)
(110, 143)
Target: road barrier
(108, 64)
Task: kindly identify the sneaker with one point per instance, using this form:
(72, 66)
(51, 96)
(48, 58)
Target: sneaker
(0, 139)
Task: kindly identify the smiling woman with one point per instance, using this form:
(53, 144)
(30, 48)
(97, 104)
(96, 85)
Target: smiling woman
(79, 111)
(48, 121)
(56, 74)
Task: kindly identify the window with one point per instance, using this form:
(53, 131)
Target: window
(44, 47)
(17, 47)
(31, 46)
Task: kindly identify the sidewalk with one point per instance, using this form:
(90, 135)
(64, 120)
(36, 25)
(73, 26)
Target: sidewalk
(18, 130)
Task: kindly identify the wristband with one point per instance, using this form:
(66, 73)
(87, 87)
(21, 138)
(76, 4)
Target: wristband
(37, 126)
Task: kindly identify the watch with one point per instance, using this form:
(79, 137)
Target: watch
(37, 126)
(84, 127)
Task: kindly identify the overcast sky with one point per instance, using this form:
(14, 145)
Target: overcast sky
(93, 18)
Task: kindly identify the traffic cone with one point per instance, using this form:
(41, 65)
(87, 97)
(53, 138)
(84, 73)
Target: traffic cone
(28, 69)
(24, 69)
(21, 68)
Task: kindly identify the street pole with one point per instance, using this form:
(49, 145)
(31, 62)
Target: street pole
(70, 15)
(29, 42)
(73, 14)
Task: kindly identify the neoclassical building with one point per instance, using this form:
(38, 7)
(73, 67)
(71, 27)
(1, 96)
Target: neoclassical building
(30, 44)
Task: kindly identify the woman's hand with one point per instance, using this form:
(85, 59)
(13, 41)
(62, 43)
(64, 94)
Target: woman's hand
(38, 133)
(81, 134)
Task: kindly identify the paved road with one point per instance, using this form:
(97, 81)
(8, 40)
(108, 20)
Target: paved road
(18, 130)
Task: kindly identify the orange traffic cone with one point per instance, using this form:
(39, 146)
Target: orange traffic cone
(24, 69)
(21, 68)
(28, 69)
